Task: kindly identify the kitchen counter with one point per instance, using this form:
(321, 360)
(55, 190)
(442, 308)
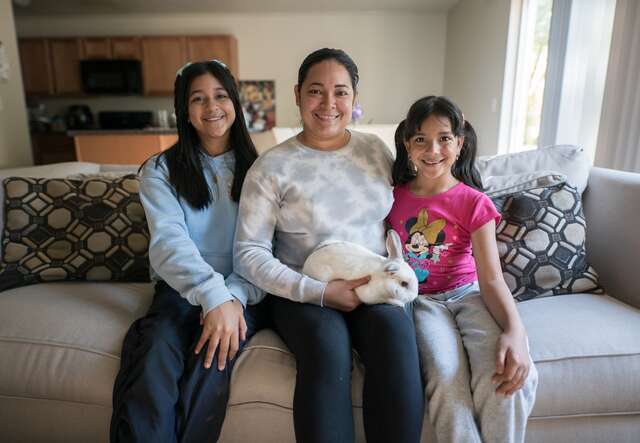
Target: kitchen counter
(146, 131)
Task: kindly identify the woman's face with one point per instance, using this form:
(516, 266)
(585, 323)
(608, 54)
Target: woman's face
(326, 99)
(211, 110)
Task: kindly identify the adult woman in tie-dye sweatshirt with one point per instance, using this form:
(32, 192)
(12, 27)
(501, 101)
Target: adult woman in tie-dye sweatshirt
(329, 182)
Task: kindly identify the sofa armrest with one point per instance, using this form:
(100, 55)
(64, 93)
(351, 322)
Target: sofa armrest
(612, 209)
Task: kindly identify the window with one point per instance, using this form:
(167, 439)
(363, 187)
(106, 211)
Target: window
(525, 76)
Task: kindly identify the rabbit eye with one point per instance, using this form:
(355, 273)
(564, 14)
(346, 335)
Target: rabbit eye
(404, 284)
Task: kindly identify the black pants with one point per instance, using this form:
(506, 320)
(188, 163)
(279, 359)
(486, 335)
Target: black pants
(163, 393)
(321, 339)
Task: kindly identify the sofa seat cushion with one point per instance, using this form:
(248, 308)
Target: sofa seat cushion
(586, 348)
(265, 373)
(62, 341)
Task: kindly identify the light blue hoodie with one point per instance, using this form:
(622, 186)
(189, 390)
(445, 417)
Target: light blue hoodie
(192, 250)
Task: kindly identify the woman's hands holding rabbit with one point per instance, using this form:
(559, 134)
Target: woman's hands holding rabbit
(340, 294)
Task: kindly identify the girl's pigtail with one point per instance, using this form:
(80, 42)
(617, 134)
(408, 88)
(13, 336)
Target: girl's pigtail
(464, 169)
(402, 171)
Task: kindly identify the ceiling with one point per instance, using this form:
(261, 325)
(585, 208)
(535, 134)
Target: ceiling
(82, 7)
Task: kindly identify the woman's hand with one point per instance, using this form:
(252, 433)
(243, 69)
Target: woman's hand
(340, 294)
(512, 362)
(222, 327)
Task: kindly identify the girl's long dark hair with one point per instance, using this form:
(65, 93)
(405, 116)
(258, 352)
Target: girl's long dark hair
(184, 159)
(464, 168)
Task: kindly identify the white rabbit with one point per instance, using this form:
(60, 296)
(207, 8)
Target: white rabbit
(392, 279)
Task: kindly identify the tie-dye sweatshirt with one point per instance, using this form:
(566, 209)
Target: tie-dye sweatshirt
(295, 197)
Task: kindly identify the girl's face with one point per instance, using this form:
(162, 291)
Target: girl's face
(326, 99)
(434, 148)
(211, 110)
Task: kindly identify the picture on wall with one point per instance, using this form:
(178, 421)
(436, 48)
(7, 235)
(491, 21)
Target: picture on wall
(258, 104)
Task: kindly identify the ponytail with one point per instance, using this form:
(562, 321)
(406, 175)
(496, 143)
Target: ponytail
(402, 171)
(464, 169)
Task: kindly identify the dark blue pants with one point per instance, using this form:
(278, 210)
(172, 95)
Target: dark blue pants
(322, 339)
(163, 393)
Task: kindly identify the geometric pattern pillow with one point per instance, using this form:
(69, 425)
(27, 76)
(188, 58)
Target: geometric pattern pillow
(541, 243)
(62, 229)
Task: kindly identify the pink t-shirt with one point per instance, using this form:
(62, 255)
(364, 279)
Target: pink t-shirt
(436, 233)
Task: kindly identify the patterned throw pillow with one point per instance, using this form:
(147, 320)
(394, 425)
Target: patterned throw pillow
(541, 242)
(62, 229)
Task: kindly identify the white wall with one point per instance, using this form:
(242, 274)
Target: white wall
(475, 64)
(15, 145)
(400, 55)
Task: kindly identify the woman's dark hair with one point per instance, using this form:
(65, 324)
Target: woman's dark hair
(184, 159)
(464, 168)
(323, 54)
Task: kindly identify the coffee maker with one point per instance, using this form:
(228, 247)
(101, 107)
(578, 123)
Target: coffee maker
(79, 117)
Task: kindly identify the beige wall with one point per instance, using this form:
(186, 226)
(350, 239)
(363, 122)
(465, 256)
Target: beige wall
(15, 145)
(475, 64)
(400, 55)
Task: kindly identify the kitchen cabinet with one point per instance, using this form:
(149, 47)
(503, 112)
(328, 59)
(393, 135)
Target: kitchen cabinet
(52, 147)
(51, 66)
(126, 48)
(35, 60)
(161, 57)
(96, 48)
(208, 47)
(65, 59)
(121, 149)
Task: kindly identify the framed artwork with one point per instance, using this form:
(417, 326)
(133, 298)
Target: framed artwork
(258, 104)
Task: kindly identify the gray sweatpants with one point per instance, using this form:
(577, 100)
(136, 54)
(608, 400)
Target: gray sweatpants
(457, 339)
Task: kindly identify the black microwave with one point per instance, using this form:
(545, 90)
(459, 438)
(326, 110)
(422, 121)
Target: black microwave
(116, 77)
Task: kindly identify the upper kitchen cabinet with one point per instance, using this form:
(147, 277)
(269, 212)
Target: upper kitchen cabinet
(161, 58)
(126, 48)
(65, 59)
(96, 48)
(208, 47)
(35, 60)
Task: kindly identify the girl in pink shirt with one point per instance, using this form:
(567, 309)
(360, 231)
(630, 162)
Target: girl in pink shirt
(480, 380)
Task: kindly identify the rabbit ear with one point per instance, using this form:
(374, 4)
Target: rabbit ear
(394, 244)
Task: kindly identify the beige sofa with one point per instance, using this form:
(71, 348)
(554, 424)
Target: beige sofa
(60, 343)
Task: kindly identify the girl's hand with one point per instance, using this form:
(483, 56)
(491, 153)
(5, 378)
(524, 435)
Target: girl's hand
(340, 294)
(512, 362)
(222, 327)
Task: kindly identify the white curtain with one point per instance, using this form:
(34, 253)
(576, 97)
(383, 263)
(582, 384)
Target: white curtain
(619, 135)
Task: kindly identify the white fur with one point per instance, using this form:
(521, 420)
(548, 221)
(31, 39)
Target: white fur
(335, 259)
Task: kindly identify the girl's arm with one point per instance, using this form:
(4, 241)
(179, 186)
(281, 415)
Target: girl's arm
(512, 356)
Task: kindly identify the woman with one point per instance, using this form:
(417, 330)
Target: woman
(165, 390)
(329, 182)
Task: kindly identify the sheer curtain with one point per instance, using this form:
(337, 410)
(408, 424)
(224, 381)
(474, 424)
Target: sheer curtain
(619, 135)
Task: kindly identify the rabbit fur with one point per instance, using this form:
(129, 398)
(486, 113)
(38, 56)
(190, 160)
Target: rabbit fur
(392, 279)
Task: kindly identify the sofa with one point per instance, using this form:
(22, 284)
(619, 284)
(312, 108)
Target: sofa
(60, 342)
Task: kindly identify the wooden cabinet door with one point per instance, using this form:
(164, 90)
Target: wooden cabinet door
(161, 58)
(96, 48)
(126, 48)
(65, 58)
(208, 47)
(35, 61)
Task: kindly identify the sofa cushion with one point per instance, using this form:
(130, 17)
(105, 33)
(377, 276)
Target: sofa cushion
(587, 351)
(570, 161)
(60, 229)
(62, 341)
(541, 241)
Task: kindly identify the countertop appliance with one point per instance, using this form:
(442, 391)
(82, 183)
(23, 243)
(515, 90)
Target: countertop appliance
(116, 77)
(79, 117)
(125, 119)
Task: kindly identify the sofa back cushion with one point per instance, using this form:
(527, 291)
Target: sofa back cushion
(541, 239)
(63, 229)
